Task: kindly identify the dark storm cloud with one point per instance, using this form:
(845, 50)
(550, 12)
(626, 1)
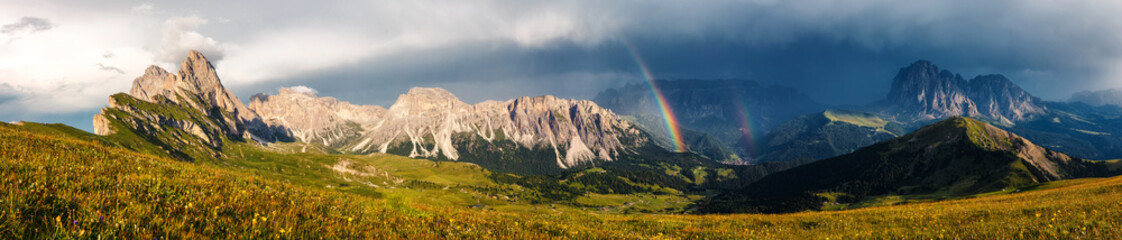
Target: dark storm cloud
(29, 24)
(474, 73)
(841, 52)
(369, 52)
(848, 50)
(7, 93)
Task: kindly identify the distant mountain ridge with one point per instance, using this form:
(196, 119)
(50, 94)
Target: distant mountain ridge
(920, 94)
(1111, 96)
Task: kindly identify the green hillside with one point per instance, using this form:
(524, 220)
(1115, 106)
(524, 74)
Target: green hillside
(824, 135)
(954, 157)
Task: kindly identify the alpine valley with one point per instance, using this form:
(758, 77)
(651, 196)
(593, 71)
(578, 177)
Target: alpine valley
(941, 156)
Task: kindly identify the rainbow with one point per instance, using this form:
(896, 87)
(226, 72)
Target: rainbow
(744, 120)
(672, 125)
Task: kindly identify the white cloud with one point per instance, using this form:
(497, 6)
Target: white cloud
(180, 36)
(64, 68)
(143, 9)
(303, 89)
(387, 28)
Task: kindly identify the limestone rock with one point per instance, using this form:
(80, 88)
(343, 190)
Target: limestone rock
(922, 92)
(313, 119)
(427, 119)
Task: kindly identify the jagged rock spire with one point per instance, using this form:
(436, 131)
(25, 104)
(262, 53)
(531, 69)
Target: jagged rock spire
(923, 91)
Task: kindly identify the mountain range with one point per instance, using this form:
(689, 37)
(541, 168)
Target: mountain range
(568, 144)
(425, 122)
(920, 94)
(190, 116)
(433, 123)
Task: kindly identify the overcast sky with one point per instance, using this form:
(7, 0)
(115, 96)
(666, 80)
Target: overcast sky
(60, 60)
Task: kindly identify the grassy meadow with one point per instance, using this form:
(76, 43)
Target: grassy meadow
(60, 184)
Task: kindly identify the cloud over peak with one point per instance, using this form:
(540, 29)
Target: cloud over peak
(302, 89)
(180, 35)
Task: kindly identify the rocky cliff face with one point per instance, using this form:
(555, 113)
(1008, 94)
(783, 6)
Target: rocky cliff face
(309, 118)
(426, 120)
(189, 114)
(923, 92)
(197, 85)
(998, 98)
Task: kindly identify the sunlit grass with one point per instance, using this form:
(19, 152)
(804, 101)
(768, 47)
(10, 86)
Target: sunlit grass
(58, 187)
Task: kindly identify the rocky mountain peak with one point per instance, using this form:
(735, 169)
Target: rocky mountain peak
(923, 91)
(152, 83)
(197, 73)
(426, 99)
(996, 81)
(431, 94)
(927, 85)
(919, 70)
(196, 77)
(197, 86)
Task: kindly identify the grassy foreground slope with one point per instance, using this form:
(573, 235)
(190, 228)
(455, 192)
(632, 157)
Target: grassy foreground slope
(57, 187)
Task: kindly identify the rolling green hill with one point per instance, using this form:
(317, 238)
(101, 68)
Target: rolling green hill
(824, 135)
(954, 157)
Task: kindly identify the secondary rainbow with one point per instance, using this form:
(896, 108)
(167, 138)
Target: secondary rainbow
(667, 112)
(749, 141)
